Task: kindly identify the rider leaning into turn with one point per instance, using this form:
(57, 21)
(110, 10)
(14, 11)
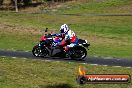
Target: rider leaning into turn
(68, 35)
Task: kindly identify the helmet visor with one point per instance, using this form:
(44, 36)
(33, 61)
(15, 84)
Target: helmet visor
(62, 30)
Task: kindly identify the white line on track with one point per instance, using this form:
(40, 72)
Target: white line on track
(116, 66)
(72, 62)
(14, 57)
(105, 65)
(93, 64)
(3, 56)
(83, 63)
(128, 67)
(48, 60)
(118, 59)
(24, 58)
(57, 61)
(107, 57)
(26, 51)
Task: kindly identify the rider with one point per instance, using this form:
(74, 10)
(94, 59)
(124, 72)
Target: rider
(67, 35)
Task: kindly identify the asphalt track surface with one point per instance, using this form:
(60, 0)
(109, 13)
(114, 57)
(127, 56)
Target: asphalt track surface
(89, 60)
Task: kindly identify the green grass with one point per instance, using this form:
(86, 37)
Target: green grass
(24, 73)
(96, 6)
(109, 36)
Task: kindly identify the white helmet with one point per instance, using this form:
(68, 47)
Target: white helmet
(64, 28)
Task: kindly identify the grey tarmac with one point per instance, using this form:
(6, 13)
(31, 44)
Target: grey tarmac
(89, 60)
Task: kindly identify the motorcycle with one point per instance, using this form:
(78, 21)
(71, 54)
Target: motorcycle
(46, 48)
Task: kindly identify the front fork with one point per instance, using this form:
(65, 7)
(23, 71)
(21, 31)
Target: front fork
(42, 48)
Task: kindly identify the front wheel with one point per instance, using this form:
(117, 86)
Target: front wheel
(39, 52)
(78, 53)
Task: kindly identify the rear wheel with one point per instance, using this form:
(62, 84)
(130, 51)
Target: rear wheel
(78, 53)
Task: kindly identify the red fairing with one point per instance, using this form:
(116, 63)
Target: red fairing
(57, 38)
(43, 38)
(73, 39)
(63, 42)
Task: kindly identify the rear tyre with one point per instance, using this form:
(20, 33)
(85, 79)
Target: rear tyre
(78, 53)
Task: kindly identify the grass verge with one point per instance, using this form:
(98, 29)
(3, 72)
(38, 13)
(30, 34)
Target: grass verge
(108, 35)
(93, 7)
(24, 73)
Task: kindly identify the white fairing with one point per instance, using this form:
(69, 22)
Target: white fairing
(69, 35)
(71, 45)
(86, 41)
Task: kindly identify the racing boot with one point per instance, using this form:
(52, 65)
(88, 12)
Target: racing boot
(66, 50)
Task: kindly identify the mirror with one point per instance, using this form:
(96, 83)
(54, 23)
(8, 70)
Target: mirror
(46, 30)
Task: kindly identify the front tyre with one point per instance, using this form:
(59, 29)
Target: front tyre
(39, 52)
